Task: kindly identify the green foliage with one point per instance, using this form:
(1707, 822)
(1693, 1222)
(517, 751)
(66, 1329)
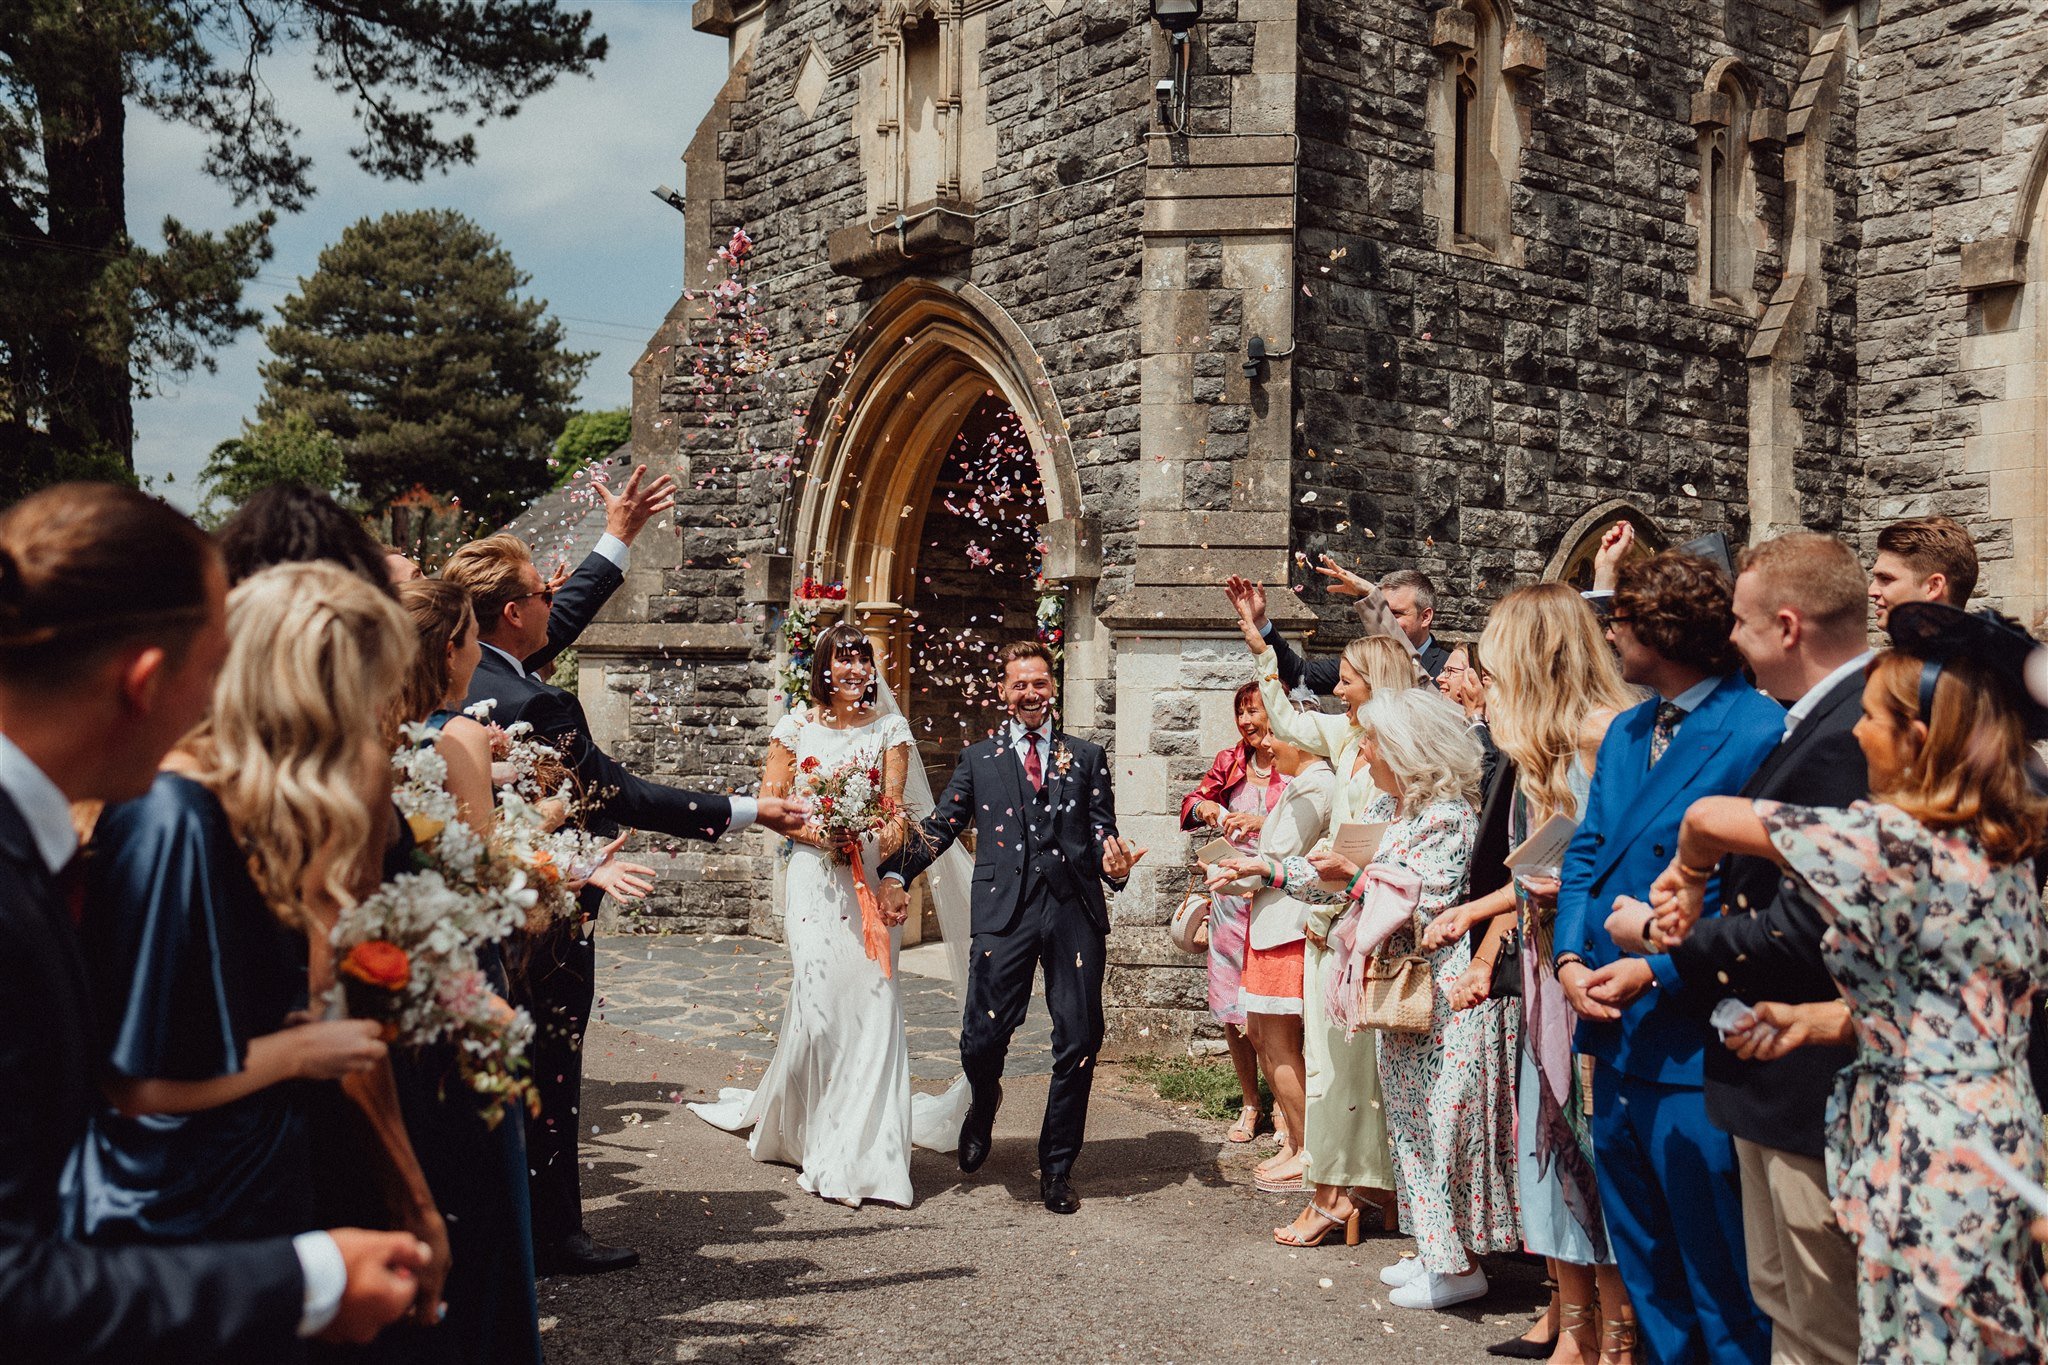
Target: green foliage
(288, 450)
(588, 438)
(411, 345)
(88, 316)
(1210, 1086)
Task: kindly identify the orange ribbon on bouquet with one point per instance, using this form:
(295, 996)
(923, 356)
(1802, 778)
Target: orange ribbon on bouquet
(874, 934)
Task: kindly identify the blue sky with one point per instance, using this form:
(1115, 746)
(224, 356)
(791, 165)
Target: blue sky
(564, 186)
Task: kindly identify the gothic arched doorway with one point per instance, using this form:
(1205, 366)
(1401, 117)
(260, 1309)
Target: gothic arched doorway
(936, 460)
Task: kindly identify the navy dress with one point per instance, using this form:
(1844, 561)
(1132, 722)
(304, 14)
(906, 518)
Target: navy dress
(478, 1177)
(190, 965)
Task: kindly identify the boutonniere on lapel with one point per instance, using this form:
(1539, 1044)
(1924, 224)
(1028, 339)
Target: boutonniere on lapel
(1062, 758)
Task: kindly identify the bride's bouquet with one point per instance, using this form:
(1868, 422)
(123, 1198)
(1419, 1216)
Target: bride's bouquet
(849, 802)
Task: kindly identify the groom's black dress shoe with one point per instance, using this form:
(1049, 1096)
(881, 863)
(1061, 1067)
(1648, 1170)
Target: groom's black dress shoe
(577, 1254)
(1058, 1194)
(975, 1132)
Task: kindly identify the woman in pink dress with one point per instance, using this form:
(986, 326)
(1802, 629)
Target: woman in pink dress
(1233, 798)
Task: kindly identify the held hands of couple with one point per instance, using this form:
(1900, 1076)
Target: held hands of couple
(894, 898)
(1601, 995)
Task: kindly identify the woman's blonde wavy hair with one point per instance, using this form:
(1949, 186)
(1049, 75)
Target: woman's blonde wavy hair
(316, 657)
(1551, 668)
(1424, 739)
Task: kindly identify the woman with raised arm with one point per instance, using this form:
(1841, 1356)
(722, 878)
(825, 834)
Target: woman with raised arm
(212, 899)
(1937, 941)
(835, 1101)
(1345, 1156)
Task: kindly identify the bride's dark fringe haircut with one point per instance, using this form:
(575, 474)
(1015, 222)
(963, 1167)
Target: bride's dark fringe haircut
(837, 638)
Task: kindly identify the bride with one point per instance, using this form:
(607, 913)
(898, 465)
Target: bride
(836, 1099)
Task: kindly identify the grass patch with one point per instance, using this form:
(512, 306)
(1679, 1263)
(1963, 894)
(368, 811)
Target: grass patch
(1210, 1086)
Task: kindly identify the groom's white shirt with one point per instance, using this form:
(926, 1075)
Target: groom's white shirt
(1044, 733)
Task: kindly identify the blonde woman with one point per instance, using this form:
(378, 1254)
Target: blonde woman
(1448, 1090)
(1345, 1154)
(212, 899)
(1555, 689)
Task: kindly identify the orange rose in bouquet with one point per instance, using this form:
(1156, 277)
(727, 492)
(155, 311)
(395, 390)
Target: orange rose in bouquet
(373, 974)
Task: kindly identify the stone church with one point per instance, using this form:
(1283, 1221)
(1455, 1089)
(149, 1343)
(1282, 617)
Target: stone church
(1217, 286)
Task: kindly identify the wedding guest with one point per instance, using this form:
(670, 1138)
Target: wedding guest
(474, 1159)
(289, 523)
(1937, 943)
(1922, 559)
(512, 606)
(1799, 612)
(209, 904)
(1233, 798)
(1275, 939)
(1463, 681)
(1319, 675)
(1345, 1155)
(400, 567)
(1449, 1089)
(1668, 1180)
(1556, 688)
(111, 632)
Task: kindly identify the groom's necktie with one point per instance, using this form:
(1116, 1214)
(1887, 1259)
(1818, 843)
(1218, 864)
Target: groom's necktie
(1033, 768)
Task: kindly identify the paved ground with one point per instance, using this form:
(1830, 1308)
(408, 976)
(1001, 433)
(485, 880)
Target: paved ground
(1169, 1259)
(727, 993)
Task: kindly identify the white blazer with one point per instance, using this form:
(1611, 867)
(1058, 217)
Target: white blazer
(1294, 827)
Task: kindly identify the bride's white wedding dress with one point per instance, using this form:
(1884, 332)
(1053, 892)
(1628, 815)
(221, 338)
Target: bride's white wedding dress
(836, 1098)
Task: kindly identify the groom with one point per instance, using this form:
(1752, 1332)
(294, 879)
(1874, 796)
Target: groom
(1045, 841)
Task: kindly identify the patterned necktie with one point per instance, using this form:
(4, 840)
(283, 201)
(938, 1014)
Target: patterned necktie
(1669, 713)
(1033, 769)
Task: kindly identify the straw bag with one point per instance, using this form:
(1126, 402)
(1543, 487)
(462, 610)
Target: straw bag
(1399, 993)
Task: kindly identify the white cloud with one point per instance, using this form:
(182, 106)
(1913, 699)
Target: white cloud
(564, 185)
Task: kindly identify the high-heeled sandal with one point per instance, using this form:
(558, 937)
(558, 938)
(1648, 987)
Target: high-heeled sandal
(1247, 1125)
(1618, 1335)
(1521, 1348)
(1288, 1237)
(1386, 1206)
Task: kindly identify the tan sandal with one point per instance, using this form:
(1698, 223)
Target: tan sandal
(1247, 1125)
(1288, 1237)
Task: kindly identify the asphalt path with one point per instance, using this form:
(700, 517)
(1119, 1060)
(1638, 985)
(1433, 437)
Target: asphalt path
(1171, 1257)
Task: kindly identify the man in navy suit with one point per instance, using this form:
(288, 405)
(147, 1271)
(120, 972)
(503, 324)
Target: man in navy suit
(1668, 1180)
(112, 627)
(1799, 609)
(1045, 842)
(513, 610)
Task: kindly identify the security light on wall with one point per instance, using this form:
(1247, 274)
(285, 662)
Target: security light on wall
(1176, 17)
(668, 196)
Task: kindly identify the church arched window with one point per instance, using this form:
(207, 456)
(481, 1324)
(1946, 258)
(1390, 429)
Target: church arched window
(1726, 203)
(1476, 126)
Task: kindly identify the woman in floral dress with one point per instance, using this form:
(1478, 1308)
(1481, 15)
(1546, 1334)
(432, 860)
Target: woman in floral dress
(1938, 944)
(1449, 1091)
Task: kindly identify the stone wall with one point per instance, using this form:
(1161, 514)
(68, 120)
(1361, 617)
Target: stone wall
(1460, 409)
(1954, 106)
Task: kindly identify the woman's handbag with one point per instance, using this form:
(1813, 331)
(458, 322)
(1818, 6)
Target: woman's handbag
(1400, 993)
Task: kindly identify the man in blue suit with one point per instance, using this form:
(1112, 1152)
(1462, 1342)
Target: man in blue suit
(1668, 1176)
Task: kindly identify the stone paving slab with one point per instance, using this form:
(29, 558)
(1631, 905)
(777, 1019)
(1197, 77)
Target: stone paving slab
(729, 993)
(1170, 1261)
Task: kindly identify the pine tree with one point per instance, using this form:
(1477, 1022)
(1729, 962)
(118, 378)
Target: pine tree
(412, 347)
(89, 317)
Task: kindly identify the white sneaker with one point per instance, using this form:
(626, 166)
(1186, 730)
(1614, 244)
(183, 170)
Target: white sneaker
(1430, 1290)
(1402, 1271)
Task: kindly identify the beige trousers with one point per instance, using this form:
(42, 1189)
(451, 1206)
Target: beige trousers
(1802, 1267)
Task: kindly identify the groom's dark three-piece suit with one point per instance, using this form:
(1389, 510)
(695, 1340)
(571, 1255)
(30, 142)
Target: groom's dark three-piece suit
(1037, 899)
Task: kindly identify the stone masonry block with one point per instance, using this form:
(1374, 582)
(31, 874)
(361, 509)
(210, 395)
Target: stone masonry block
(1452, 29)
